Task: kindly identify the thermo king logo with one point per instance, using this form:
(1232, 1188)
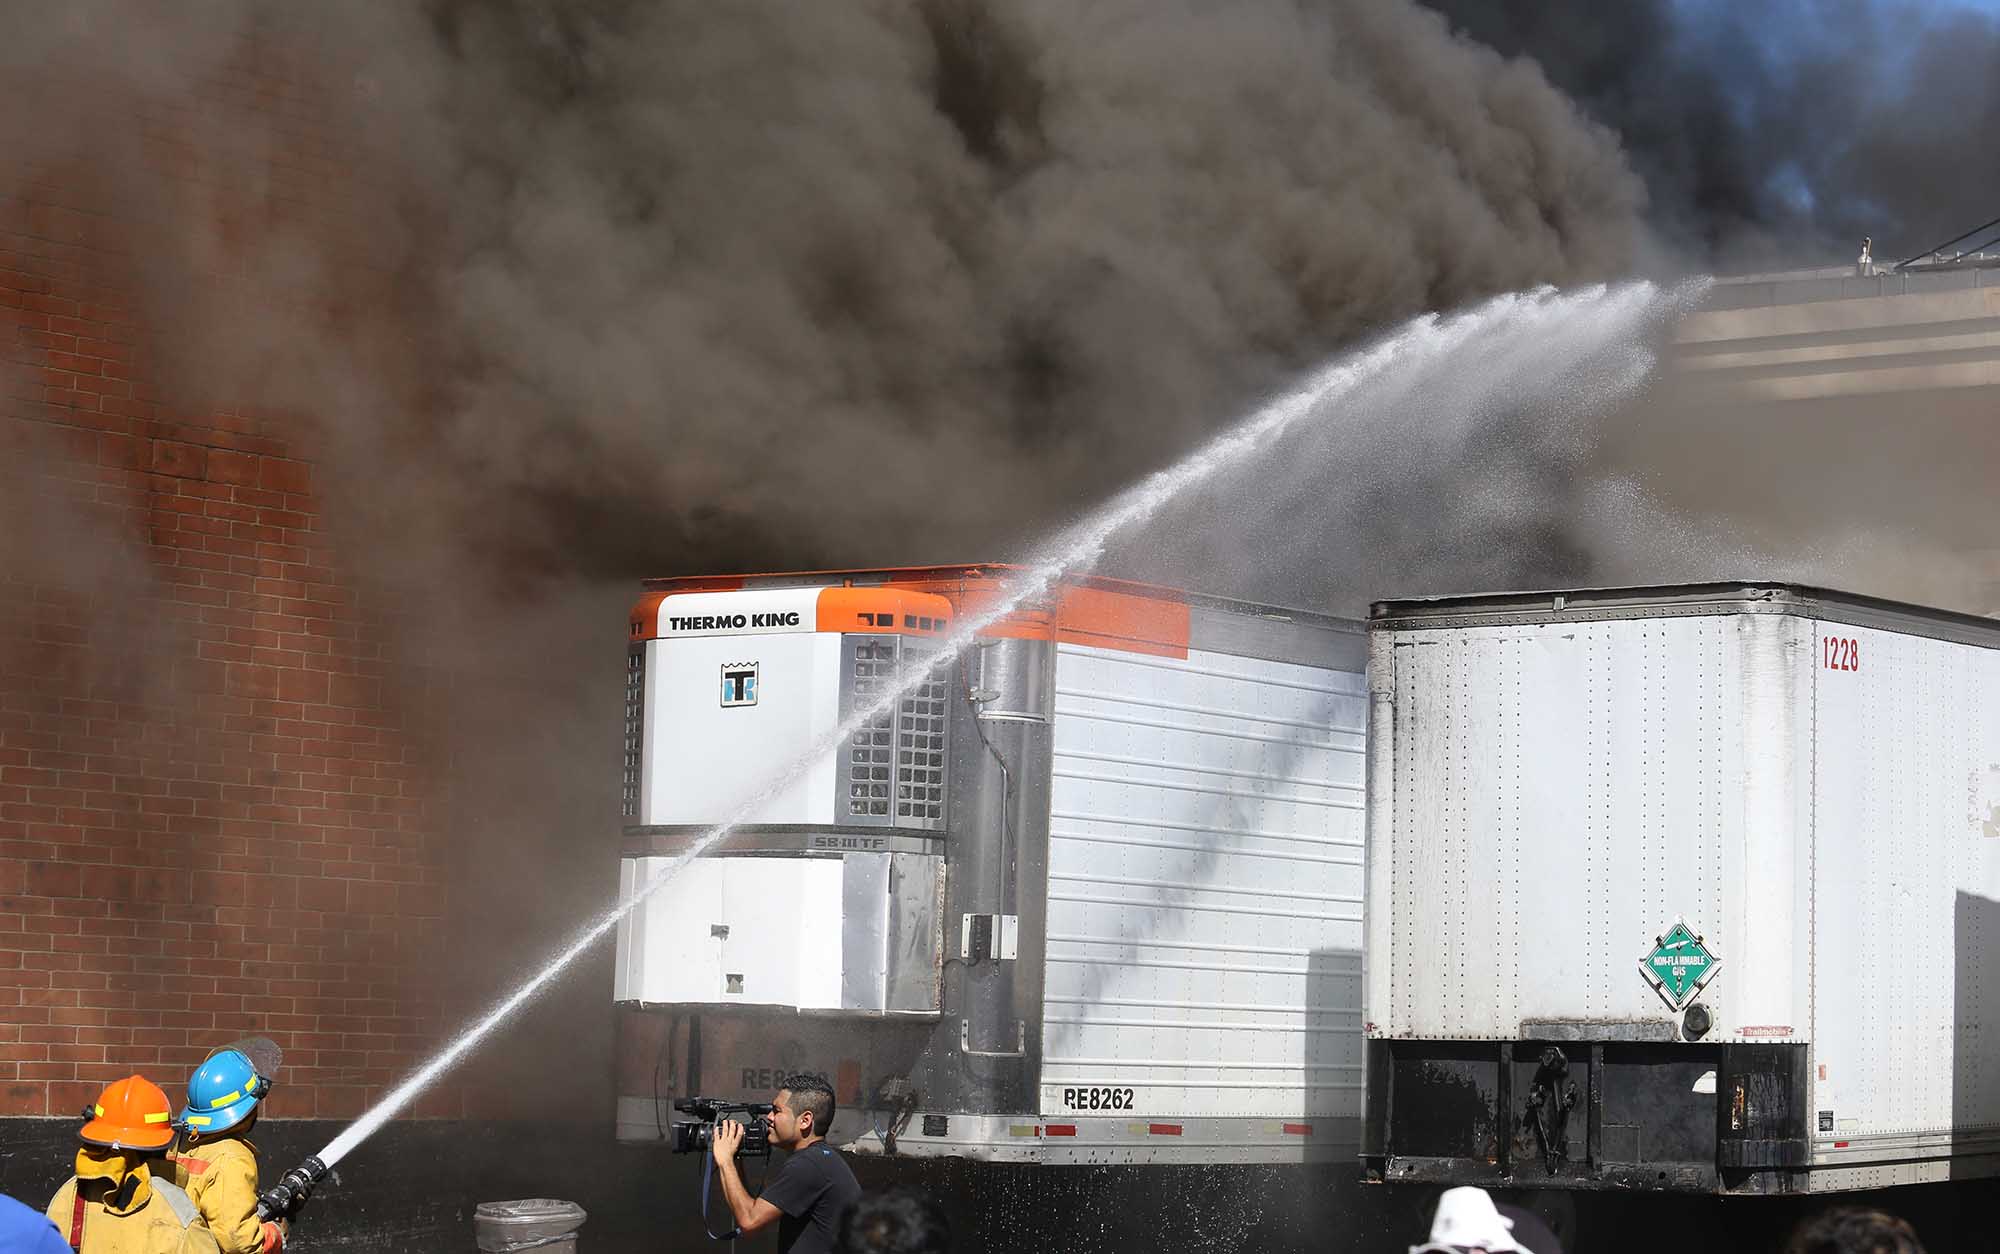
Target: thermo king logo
(739, 683)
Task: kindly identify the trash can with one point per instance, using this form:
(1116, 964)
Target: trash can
(542, 1224)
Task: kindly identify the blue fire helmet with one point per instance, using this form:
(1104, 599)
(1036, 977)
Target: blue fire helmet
(222, 1092)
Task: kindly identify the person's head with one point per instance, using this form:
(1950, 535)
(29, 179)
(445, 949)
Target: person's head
(131, 1116)
(223, 1094)
(895, 1221)
(124, 1130)
(1854, 1230)
(802, 1110)
(1467, 1220)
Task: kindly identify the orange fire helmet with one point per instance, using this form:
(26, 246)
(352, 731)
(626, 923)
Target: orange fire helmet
(130, 1114)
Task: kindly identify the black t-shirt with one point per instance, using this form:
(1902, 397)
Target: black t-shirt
(813, 1187)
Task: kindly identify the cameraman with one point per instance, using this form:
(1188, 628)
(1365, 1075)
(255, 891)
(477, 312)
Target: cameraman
(812, 1187)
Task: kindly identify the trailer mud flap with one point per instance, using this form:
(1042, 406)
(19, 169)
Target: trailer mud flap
(1588, 1114)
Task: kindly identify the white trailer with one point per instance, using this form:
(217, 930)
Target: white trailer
(1691, 887)
(1093, 893)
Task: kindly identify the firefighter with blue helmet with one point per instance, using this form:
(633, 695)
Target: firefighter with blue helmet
(215, 1162)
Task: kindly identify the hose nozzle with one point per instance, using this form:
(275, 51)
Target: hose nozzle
(288, 1196)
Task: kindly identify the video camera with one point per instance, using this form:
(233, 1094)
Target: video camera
(697, 1135)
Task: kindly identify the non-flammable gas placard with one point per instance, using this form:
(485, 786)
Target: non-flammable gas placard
(1679, 964)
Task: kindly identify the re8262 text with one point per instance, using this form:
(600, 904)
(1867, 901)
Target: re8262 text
(1097, 1099)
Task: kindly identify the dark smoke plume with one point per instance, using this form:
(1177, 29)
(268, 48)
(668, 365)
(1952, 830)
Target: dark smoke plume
(734, 283)
(578, 293)
(561, 295)
(1779, 132)
(692, 285)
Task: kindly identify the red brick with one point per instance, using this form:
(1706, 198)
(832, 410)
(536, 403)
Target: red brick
(291, 1100)
(25, 1099)
(47, 1071)
(67, 1097)
(105, 312)
(182, 789)
(183, 461)
(108, 883)
(109, 350)
(289, 520)
(340, 1101)
(54, 879)
(322, 894)
(252, 681)
(371, 897)
(284, 475)
(159, 884)
(232, 468)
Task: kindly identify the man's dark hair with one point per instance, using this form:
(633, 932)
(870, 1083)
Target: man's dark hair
(1854, 1230)
(811, 1091)
(894, 1221)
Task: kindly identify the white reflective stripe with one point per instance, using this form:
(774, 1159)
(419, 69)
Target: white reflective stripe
(183, 1205)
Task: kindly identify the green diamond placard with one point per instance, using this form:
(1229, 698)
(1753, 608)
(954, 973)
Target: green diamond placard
(1678, 964)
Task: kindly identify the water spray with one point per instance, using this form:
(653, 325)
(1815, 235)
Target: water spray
(1607, 316)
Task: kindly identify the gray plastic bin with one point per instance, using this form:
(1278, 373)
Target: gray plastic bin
(542, 1224)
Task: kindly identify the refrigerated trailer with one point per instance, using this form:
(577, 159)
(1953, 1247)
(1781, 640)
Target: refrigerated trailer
(1682, 888)
(1091, 892)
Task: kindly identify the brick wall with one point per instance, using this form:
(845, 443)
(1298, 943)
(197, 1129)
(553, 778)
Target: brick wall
(218, 814)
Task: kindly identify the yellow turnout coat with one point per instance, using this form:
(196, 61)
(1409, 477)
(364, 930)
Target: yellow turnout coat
(114, 1206)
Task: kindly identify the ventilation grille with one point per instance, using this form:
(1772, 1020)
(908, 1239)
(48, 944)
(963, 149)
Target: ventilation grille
(920, 719)
(635, 726)
(895, 768)
(870, 761)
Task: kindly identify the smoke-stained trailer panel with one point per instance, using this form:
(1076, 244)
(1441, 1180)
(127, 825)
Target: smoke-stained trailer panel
(1682, 888)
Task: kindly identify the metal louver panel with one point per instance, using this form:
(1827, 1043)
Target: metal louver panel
(635, 727)
(870, 760)
(920, 760)
(893, 768)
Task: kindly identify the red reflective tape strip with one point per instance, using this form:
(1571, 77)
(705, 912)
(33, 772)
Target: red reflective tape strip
(1840, 1145)
(1163, 1129)
(1061, 1129)
(76, 1220)
(1298, 1129)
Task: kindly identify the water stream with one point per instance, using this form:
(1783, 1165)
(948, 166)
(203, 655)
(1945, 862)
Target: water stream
(1528, 342)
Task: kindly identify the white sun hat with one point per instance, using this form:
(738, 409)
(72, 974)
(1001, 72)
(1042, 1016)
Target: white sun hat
(1467, 1220)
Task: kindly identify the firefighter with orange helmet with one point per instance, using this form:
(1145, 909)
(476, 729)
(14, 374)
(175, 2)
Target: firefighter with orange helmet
(215, 1161)
(114, 1204)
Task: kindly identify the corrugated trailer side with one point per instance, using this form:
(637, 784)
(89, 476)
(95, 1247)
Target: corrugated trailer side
(1906, 898)
(1680, 888)
(1202, 1000)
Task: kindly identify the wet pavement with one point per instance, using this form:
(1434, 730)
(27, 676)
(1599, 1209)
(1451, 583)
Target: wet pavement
(413, 1188)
